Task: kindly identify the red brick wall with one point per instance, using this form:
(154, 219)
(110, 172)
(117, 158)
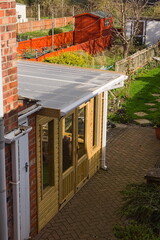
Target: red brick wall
(33, 174)
(9, 79)
(9, 63)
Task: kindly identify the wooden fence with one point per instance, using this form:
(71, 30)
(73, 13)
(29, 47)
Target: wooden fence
(137, 60)
(61, 39)
(92, 47)
(42, 24)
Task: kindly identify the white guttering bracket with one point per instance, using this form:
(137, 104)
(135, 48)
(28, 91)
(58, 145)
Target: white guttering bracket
(104, 88)
(16, 134)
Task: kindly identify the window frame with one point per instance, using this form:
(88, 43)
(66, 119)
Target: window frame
(52, 171)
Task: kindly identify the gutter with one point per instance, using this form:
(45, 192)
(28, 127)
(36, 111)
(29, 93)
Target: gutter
(3, 198)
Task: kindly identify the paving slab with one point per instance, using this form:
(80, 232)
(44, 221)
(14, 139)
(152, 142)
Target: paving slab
(143, 122)
(152, 109)
(150, 104)
(140, 114)
(92, 213)
(158, 100)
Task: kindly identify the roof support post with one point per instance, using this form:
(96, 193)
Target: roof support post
(104, 131)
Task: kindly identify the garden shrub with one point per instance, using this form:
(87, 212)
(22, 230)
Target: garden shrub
(134, 231)
(56, 31)
(142, 204)
(81, 59)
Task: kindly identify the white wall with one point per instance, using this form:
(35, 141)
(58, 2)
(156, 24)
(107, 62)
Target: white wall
(21, 10)
(152, 32)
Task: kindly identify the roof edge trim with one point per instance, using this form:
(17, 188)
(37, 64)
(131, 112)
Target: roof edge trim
(104, 88)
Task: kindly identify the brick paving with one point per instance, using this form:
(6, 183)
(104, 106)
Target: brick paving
(91, 214)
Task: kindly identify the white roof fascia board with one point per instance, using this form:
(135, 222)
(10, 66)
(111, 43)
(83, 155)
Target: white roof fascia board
(104, 88)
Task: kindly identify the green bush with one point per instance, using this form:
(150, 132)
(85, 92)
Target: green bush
(80, 59)
(134, 231)
(142, 204)
(56, 31)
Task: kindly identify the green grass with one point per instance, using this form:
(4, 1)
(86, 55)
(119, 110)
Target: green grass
(43, 33)
(139, 92)
(35, 34)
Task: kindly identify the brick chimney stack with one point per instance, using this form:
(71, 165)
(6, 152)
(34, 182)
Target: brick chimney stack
(9, 62)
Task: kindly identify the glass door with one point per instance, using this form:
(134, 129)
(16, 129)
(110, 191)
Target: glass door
(81, 143)
(68, 162)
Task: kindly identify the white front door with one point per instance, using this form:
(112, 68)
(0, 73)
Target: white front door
(24, 185)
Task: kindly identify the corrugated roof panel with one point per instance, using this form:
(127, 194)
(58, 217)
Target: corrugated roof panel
(59, 87)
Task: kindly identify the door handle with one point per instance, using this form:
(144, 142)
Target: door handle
(26, 166)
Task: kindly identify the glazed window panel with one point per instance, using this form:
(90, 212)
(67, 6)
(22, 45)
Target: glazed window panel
(81, 132)
(95, 121)
(67, 142)
(47, 143)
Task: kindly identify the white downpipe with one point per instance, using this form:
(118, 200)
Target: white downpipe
(15, 185)
(104, 131)
(3, 198)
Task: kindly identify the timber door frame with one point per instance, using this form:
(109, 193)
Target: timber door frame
(75, 185)
(81, 160)
(62, 175)
(47, 197)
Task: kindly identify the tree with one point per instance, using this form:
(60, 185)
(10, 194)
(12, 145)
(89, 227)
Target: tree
(122, 11)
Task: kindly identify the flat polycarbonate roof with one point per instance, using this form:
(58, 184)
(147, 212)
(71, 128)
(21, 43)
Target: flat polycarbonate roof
(62, 87)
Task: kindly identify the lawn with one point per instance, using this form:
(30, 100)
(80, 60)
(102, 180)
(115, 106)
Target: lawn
(43, 33)
(139, 93)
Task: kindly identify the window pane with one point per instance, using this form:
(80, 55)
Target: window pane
(68, 143)
(47, 154)
(81, 132)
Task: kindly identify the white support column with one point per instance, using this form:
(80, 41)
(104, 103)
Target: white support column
(104, 131)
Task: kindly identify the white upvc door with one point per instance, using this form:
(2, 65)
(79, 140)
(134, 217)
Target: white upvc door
(23, 149)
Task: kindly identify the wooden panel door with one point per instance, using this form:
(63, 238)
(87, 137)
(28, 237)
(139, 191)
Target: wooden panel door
(81, 146)
(67, 166)
(74, 160)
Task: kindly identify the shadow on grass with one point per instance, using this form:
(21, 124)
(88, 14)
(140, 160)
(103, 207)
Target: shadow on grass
(140, 92)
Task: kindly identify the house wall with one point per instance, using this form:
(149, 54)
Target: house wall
(10, 97)
(21, 11)
(152, 32)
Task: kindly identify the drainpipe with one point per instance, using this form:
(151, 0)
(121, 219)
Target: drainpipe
(15, 186)
(104, 131)
(3, 199)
